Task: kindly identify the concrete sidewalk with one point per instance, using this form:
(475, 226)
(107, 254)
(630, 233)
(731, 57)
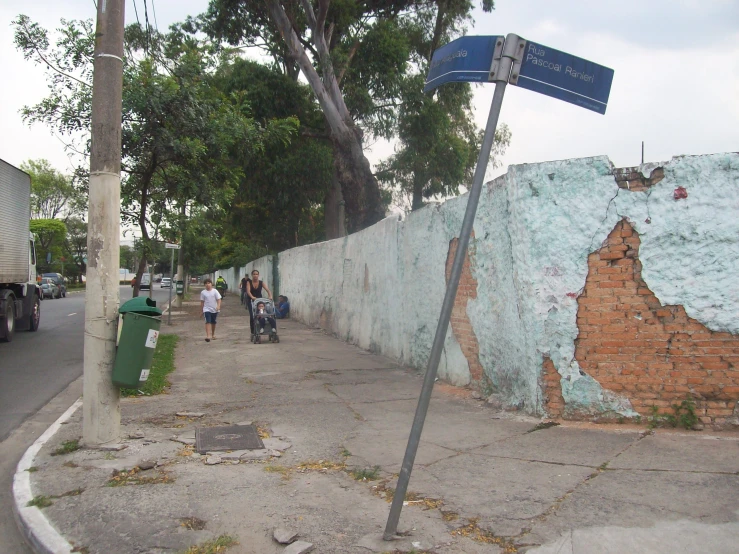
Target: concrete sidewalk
(338, 420)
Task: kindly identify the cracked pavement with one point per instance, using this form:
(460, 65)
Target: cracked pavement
(567, 488)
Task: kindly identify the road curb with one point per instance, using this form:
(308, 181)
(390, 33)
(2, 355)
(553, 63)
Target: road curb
(36, 529)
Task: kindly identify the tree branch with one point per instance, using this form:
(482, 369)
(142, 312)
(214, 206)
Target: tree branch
(47, 62)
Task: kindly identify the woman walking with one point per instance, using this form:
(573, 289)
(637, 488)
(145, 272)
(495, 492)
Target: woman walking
(255, 289)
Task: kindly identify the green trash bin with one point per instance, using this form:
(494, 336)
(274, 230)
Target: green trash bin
(139, 321)
(180, 287)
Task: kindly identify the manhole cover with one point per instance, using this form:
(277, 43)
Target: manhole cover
(230, 437)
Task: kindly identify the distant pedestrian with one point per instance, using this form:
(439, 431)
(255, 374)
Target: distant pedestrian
(282, 309)
(242, 288)
(255, 289)
(221, 285)
(210, 303)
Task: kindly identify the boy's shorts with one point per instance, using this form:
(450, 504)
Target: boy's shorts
(210, 317)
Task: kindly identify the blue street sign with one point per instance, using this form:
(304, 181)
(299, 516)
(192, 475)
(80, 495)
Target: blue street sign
(465, 59)
(566, 77)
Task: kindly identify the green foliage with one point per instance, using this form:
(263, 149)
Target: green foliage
(67, 447)
(215, 546)
(75, 249)
(683, 416)
(161, 366)
(40, 501)
(183, 139)
(50, 236)
(438, 139)
(52, 193)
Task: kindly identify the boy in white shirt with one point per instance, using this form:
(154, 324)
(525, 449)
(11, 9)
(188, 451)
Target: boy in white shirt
(210, 303)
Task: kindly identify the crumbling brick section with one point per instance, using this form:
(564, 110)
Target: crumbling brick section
(460, 322)
(654, 355)
(553, 401)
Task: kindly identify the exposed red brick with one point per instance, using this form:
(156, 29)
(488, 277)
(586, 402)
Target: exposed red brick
(460, 322)
(653, 354)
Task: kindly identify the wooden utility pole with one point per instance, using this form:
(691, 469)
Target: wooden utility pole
(101, 400)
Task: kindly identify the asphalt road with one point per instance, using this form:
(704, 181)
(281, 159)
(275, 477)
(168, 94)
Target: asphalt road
(34, 369)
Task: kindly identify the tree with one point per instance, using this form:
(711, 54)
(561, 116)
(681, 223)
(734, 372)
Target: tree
(282, 187)
(52, 193)
(180, 134)
(50, 234)
(127, 256)
(75, 247)
(352, 56)
(438, 141)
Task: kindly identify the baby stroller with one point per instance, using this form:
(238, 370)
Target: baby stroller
(270, 324)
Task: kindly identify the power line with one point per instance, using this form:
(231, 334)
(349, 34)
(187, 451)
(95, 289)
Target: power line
(156, 24)
(148, 27)
(135, 9)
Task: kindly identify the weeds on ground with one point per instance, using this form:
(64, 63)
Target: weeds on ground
(161, 366)
(411, 498)
(40, 501)
(345, 452)
(683, 416)
(192, 523)
(134, 477)
(366, 474)
(215, 546)
(32, 469)
(67, 447)
(477, 534)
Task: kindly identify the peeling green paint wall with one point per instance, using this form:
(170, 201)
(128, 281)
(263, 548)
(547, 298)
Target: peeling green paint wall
(382, 288)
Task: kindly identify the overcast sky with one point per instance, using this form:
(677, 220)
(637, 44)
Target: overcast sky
(676, 83)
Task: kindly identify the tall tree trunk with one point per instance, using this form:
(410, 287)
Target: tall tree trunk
(359, 187)
(333, 219)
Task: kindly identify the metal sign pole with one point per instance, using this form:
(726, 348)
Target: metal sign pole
(171, 280)
(500, 75)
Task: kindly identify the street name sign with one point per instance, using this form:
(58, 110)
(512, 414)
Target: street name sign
(466, 59)
(170, 245)
(564, 76)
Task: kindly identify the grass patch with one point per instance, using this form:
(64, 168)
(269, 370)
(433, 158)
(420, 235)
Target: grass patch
(216, 546)
(366, 474)
(133, 477)
(32, 469)
(67, 447)
(161, 366)
(40, 501)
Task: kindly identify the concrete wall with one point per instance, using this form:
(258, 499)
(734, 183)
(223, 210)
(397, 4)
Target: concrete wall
(234, 275)
(515, 328)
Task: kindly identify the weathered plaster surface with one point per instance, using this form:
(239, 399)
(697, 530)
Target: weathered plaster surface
(382, 288)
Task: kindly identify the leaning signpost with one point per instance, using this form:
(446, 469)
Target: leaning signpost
(501, 60)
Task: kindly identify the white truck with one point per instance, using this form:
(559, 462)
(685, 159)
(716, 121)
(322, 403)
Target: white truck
(20, 295)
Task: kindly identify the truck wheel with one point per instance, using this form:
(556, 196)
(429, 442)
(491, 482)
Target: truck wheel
(35, 317)
(9, 321)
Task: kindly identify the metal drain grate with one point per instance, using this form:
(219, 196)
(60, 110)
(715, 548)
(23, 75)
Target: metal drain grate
(229, 437)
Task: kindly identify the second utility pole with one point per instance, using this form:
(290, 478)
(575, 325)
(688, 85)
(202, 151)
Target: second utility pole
(101, 410)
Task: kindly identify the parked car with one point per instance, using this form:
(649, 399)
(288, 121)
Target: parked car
(58, 281)
(50, 289)
(166, 283)
(145, 281)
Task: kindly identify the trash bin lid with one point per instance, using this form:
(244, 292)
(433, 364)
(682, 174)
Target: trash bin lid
(140, 305)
